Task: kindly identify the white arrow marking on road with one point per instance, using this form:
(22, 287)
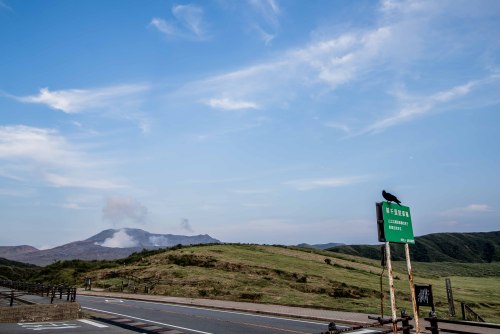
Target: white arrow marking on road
(92, 323)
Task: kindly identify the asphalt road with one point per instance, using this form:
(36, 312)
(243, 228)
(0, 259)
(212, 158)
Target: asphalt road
(61, 327)
(189, 319)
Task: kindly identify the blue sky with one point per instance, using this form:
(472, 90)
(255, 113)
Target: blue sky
(260, 121)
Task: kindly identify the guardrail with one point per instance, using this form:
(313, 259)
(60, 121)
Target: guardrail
(29, 288)
(466, 325)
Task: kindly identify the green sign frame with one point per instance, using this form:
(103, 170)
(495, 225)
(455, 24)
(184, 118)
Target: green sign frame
(397, 223)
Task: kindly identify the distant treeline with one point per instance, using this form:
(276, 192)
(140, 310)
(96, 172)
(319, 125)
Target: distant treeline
(438, 247)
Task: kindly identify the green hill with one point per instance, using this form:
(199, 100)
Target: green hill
(293, 276)
(17, 271)
(281, 275)
(438, 247)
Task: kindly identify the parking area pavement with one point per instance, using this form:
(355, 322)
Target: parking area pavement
(60, 327)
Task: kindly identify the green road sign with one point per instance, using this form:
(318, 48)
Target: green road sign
(397, 223)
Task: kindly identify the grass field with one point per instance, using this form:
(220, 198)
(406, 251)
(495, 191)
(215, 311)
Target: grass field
(301, 277)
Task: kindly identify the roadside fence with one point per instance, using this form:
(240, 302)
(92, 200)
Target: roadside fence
(29, 288)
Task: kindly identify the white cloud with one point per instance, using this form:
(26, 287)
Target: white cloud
(268, 9)
(65, 181)
(339, 126)
(392, 47)
(163, 26)
(228, 104)
(266, 22)
(308, 184)
(120, 239)
(191, 17)
(418, 107)
(34, 154)
(467, 210)
(329, 63)
(187, 23)
(77, 100)
(264, 35)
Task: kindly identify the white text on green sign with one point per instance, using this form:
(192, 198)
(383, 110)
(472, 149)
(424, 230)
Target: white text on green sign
(397, 223)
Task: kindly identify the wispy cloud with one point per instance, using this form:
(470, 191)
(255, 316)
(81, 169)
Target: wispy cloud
(269, 9)
(309, 184)
(335, 61)
(228, 104)
(3, 5)
(36, 155)
(78, 100)
(418, 107)
(328, 63)
(467, 210)
(339, 126)
(79, 182)
(187, 22)
(267, 23)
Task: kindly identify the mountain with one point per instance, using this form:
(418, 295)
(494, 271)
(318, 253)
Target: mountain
(321, 246)
(108, 245)
(132, 237)
(7, 251)
(438, 247)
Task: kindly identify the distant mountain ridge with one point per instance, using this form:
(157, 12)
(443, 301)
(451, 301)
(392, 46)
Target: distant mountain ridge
(321, 246)
(7, 251)
(106, 245)
(477, 247)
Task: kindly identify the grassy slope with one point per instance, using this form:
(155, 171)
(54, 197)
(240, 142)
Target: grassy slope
(293, 276)
(16, 270)
(449, 247)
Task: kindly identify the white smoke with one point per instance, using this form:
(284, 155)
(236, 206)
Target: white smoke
(159, 241)
(185, 225)
(118, 209)
(120, 239)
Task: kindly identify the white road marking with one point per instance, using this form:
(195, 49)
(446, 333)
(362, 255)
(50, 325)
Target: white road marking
(151, 321)
(113, 300)
(224, 311)
(93, 323)
(40, 326)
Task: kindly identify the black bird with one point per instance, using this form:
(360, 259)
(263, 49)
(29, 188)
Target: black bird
(390, 197)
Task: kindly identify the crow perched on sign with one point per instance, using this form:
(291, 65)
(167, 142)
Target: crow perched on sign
(390, 197)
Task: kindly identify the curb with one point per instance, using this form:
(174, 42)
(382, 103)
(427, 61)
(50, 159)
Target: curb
(227, 308)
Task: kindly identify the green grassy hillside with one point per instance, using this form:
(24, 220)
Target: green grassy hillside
(438, 247)
(282, 275)
(299, 277)
(16, 270)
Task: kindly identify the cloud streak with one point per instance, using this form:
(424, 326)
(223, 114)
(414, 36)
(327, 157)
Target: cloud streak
(228, 104)
(310, 184)
(78, 100)
(470, 209)
(416, 107)
(30, 154)
(187, 23)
